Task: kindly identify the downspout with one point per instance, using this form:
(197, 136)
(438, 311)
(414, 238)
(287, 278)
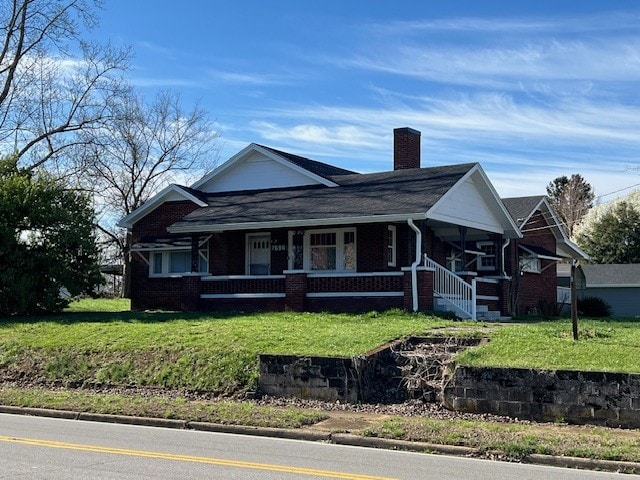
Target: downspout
(414, 265)
(506, 244)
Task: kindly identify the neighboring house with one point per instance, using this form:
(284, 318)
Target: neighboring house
(538, 254)
(616, 284)
(275, 231)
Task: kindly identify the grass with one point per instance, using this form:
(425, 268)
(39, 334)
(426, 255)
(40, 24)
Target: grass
(603, 345)
(98, 342)
(516, 440)
(222, 411)
(199, 352)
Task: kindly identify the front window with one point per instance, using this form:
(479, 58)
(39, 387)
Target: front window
(329, 250)
(487, 261)
(323, 251)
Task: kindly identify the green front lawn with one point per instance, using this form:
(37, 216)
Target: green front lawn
(194, 351)
(101, 342)
(603, 345)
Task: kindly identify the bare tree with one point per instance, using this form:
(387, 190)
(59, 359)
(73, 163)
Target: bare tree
(53, 83)
(571, 198)
(142, 148)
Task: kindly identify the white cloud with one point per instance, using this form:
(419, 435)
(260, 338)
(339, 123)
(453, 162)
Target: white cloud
(249, 78)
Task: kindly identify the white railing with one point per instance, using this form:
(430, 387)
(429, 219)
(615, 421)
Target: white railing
(453, 289)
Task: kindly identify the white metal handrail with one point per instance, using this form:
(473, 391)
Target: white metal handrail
(453, 289)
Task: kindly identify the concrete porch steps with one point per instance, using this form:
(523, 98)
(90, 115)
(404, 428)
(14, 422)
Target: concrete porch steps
(483, 313)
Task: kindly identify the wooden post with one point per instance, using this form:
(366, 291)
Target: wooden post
(574, 301)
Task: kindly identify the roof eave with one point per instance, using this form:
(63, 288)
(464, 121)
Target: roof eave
(311, 222)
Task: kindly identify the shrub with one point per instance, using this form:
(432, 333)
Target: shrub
(594, 307)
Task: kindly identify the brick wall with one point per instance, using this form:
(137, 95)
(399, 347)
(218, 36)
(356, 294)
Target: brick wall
(244, 285)
(355, 284)
(157, 221)
(536, 289)
(372, 247)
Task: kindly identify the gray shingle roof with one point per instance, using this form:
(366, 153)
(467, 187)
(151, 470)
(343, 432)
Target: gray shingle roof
(400, 192)
(612, 274)
(520, 208)
(323, 169)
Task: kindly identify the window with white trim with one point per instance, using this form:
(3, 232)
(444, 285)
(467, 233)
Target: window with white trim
(177, 261)
(330, 250)
(391, 246)
(488, 261)
(530, 264)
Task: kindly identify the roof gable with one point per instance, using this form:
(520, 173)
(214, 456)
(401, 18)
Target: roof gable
(473, 202)
(258, 168)
(522, 210)
(172, 193)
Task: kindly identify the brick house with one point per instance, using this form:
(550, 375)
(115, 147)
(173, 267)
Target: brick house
(274, 231)
(543, 245)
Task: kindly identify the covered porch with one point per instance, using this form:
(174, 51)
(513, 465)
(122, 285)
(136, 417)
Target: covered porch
(367, 266)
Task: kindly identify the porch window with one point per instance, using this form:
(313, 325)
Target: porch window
(178, 261)
(488, 261)
(391, 246)
(323, 251)
(330, 250)
(529, 264)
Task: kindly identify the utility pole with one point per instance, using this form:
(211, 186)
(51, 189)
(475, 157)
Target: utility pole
(574, 300)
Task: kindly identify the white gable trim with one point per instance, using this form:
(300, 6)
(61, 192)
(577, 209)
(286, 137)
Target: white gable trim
(154, 202)
(253, 148)
(507, 226)
(572, 250)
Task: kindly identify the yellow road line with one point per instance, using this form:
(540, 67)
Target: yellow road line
(190, 458)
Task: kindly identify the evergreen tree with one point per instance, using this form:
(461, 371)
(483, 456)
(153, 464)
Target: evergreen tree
(47, 245)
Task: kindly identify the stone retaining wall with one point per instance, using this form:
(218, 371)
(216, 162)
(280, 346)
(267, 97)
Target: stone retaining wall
(600, 398)
(375, 377)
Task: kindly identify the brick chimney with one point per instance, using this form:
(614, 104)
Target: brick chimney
(406, 148)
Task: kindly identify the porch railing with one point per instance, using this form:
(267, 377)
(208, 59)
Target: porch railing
(457, 293)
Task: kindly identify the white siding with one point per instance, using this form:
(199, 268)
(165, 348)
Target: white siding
(469, 205)
(256, 172)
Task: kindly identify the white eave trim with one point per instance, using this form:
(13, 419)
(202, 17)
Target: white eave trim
(312, 222)
(152, 203)
(268, 153)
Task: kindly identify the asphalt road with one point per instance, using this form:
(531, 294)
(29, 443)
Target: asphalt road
(46, 448)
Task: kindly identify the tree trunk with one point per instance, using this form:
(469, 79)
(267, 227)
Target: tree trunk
(126, 268)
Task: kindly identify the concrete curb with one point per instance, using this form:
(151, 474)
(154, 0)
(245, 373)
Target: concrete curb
(308, 435)
(315, 436)
(375, 442)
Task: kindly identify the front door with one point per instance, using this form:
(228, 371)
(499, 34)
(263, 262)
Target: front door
(259, 254)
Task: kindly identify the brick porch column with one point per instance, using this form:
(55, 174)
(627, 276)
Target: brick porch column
(504, 291)
(191, 288)
(425, 289)
(295, 287)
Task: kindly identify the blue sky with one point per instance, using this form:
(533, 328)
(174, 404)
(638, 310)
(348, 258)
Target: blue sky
(530, 89)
